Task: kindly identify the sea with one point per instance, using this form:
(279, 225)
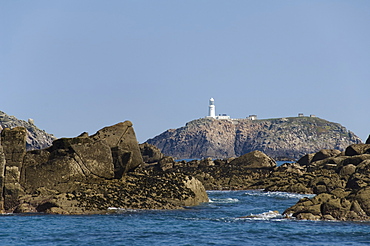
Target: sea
(249, 217)
(246, 217)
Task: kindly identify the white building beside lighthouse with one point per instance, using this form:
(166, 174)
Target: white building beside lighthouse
(212, 111)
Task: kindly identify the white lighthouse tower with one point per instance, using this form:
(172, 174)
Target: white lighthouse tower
(212, 111)
(212, 108)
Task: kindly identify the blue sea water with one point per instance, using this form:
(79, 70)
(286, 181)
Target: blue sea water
(215, 223)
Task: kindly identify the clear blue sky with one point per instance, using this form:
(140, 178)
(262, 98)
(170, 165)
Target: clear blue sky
(77, 66)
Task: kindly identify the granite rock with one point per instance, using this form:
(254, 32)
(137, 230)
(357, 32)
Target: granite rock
(290, 137)
(150, 153)
(341, 182)
(13, 142)
(221, 174)
(254, 159)
(357, 149)
(35, 138)
(88, 174)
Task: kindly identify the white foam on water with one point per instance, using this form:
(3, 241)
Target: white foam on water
(224, 200)
(7, 214)
(275, 215)
(120, 210)
(221, 191)
(222, 219)
(278, 194)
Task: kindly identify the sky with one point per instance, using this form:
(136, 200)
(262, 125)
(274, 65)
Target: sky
(76, 66)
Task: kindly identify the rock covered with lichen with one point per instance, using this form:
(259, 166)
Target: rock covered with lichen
(220, 174)
(88, 174)
(340, 179)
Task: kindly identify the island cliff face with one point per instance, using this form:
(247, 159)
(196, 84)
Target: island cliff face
(283, 137)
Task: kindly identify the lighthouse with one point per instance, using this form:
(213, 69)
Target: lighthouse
(212, 111)
(212, 108)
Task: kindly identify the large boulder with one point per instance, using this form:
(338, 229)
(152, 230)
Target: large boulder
(108, 154)
(150, 153)
(357, 149)
(122, 140)
(77, 159)
(347, 170)
(166, 163)
(325, 153)
(200, 195)
(306, 159)
(355, 160)
(254, 160)
(363, 199)
(368, 140)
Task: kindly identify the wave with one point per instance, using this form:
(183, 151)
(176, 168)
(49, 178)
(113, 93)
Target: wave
(278, 194)
(121, 210)
(221, 191)
(270, 215)
(6, 214)
(223, 200)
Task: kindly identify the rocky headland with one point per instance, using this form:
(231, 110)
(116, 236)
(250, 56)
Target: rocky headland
(87, 174)
(35, 138)
(288, 138)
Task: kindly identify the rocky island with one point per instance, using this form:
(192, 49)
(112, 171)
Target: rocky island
(281, 138)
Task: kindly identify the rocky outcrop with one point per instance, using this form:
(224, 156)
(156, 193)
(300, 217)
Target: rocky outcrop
(234, 173)
(35, 138)
(108, 154)
(137, 190)
(88, 174)
(254, 160)
(284, 137)
(340, 180)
